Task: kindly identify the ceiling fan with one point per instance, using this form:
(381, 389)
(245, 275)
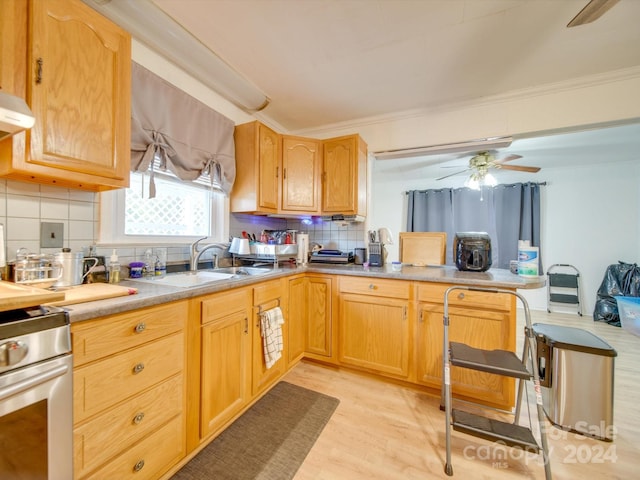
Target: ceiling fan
(481, 162)
(591, 12)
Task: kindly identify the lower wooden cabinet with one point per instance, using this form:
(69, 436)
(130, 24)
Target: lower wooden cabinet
(267, 295)
(225, 387)
(129, 393)
(311, 303)
(374, 334)
(375, 327)
(297, 325)
(477, 319)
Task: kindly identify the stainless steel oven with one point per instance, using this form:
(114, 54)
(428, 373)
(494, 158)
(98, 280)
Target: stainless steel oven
(36, 395)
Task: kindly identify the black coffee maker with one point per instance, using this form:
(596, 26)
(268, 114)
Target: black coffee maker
(472, 251)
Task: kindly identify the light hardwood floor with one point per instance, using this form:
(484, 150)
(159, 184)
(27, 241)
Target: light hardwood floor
(384, 431)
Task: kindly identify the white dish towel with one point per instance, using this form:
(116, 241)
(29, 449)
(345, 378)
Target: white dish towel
(271, 323)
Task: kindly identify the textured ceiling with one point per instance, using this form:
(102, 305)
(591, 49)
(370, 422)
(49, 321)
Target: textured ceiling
(327, 61)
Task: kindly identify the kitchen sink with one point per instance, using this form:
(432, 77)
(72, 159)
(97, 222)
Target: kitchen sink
(203, 277)
(243, 271)
(188, 279)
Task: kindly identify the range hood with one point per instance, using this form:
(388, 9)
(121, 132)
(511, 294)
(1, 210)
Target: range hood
(15, 115)
(343, 218)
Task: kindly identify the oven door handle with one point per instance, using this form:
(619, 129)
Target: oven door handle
(33, 381)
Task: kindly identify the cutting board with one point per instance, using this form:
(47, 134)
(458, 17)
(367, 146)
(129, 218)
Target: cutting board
(14, 296)
(423, 248)
(93, 291)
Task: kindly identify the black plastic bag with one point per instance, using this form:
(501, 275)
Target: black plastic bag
(621, 279)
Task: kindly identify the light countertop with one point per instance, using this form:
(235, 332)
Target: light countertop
(149, 294)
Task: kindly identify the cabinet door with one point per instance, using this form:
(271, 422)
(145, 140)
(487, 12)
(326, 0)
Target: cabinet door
(478, 328)
(374, 334)
(225, 370)
(344, 176)
(266, 296)
(269, 169)
(297, 325)
(79, 87)
(301, 175)
(319, 325)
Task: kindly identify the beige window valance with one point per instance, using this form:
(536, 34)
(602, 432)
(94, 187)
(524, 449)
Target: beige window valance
(172, 130)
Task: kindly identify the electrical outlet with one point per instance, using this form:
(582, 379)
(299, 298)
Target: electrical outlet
(51, 235)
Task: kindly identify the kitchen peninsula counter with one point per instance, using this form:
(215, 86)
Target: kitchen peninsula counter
(150, 294)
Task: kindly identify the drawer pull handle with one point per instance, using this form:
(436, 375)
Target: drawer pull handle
(138, 466)
(138, 368)
(461, 296)
(372, 286)
(138, 418)
(141, 327)
(39, 63)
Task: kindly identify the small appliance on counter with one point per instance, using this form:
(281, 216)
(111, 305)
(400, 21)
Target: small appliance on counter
(472, 251)
(331, 256)
(359, 256)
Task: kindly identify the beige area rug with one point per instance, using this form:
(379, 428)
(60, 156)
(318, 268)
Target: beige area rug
(269, 441)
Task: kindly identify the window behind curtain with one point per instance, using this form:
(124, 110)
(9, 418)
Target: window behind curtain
(508, 213)
(179, 208)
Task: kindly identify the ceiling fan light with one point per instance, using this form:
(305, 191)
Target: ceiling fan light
(490, 180)
(472, 183)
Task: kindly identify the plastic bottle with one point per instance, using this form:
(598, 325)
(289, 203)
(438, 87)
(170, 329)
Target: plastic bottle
(149, 264)
(114, 268)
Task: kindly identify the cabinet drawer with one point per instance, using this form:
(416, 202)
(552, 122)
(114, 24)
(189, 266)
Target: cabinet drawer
(224, 304)
(434, 293)
(267, 292)
(129, 422)
(379, 287)
(100, 385)
(148, 459)
(102, 337)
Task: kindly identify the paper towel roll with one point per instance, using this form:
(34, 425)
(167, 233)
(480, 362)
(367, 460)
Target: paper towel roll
(528, 261)
(303, 248)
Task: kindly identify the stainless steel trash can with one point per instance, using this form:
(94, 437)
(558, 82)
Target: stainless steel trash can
(576, 376)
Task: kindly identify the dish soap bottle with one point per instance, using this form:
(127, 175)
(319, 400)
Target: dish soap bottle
(114, 268)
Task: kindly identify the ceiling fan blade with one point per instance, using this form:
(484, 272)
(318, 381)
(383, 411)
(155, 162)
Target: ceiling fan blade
(520, 168)
(452, 174)
(591, 12)
(508, 158)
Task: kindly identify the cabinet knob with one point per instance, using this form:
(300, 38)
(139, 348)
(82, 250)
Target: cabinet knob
(461, 295)
(372, 286)
(141, 327)
(138, 368)
(138, 466)
(138, 418)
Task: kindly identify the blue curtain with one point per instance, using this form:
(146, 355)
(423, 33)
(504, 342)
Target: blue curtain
(508, 213)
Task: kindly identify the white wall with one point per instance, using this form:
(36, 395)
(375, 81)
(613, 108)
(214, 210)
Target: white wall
(590, 218)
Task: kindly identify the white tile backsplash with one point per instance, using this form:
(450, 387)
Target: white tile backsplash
(54, 209)
(23, 206)
(81, 211)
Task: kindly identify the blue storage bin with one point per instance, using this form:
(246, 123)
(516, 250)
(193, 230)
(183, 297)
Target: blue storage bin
(629, 311)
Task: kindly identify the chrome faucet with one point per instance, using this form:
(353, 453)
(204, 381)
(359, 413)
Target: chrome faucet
(195, 254)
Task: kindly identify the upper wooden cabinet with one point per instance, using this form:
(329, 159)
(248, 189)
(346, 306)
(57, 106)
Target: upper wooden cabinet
(77, 81)
(344, 176)
(258, 158)
(283, 174)
(301, 167)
